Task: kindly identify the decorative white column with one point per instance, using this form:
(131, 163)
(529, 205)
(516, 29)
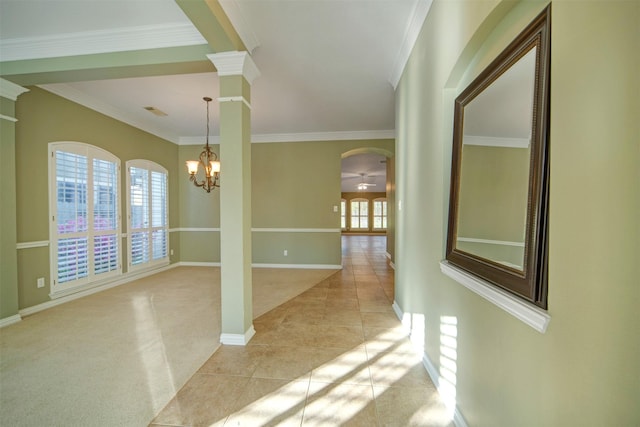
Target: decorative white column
(9, 93)
(236, 71)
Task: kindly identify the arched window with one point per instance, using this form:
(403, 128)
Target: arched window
(380, 214)
(147, 214)
(360, 214)
(343, 214)
(85, 217)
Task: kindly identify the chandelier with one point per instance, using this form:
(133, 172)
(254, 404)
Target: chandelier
(208, 161)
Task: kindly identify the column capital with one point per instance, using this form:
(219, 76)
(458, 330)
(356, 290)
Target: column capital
(235, 64)
(11, 90)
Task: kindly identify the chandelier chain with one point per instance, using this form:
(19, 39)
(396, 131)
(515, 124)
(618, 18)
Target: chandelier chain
(208, 161)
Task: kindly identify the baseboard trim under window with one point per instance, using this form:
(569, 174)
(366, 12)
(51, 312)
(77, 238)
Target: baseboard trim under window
(93, 288)
(70, 295)
(10, 320)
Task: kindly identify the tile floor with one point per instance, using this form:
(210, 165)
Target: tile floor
(117, 357)
(334, 355)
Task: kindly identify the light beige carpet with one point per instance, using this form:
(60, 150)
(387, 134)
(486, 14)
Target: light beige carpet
(117, 357)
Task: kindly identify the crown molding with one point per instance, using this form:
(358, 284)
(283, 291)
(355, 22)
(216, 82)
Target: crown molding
(299, 137)
(324, 136)
(85, 100)
(101, 41)
(235, 64)
(11, 90)
(418, 16)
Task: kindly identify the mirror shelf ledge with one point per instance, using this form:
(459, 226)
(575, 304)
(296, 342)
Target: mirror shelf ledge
(530, 314)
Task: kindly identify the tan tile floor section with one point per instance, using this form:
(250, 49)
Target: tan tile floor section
(334, 355)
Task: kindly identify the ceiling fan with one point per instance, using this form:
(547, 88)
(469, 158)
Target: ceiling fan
(364, 185)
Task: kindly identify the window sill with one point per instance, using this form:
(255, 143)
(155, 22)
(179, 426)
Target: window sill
(533, 316)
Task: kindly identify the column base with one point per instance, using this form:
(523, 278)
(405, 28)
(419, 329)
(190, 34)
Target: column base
(238, 339)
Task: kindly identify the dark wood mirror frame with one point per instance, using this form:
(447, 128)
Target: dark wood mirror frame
(529, 283)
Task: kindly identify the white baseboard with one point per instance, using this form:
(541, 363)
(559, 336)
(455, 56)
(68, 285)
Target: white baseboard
(265, 265)
(432, 371)
(121, 280)
(10, 320)
(303, 266)
(198, 264)
(391, 264)
(397, 310)
(458, 419)
(238, 339)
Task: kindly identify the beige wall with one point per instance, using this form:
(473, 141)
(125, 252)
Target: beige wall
(584, 370)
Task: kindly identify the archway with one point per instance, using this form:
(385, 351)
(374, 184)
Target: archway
(368, 173)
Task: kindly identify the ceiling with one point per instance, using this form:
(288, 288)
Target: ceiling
(328, 67)
(369, 168)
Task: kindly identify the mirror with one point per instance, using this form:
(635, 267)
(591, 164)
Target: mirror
(499, 176)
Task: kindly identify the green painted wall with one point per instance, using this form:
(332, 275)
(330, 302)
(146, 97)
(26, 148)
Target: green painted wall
(493, 201)
(46, 118)
(198, 209)
(297, 185)
(584, 370)
(302, 248)
(8, 255)
(493, 193)
(33, 263)
(391, 208)
(294, 185)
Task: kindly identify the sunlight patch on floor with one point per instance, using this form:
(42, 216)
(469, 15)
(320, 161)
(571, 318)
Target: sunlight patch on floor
(282, 406)
(448, 361)
(151, 350)
(336, 403)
